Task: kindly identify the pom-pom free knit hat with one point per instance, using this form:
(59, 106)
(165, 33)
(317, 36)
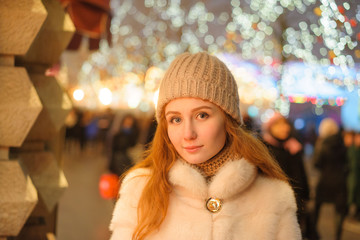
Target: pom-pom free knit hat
(201, 76)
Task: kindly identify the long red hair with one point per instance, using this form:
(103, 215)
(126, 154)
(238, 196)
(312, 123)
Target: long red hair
(160, 157)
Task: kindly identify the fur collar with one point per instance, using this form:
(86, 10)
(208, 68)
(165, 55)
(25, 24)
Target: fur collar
(234, 177)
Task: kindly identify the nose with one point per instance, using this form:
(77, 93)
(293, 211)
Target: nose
(189, 131)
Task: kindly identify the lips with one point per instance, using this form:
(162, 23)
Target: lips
(192, 149)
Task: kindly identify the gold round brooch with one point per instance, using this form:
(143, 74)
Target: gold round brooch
(213, 204)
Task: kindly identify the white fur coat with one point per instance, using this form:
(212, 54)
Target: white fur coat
(254, 206)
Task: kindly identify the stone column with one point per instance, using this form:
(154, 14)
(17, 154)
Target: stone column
(33, 108)
(19, 107)
(37, 153)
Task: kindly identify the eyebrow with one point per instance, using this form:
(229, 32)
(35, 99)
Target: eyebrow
(193, 110)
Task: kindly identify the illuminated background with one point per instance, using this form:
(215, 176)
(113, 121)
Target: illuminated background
(282, 53)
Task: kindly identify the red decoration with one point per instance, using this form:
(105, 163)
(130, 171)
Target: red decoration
(353, 22)
(89, 16)
(109, 186)
(341, 9)
(358, 36)
(319, 39)
(313, 100)
(340, 101)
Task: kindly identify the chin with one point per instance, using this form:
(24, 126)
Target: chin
(194, 160)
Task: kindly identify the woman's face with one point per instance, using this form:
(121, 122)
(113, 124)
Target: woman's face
(280, 129)
(196, 128)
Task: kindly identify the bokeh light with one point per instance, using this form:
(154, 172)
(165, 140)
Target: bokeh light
(105, 96)
(78, 94)
(146, 37)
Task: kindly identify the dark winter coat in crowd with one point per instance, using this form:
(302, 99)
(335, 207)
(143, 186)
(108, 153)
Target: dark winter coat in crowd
(122, 141)
(330, 158)
(289, 154)
(354, 176)
(292, 165)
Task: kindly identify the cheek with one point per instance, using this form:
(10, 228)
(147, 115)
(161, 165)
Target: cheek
(217, 133)
(173, 135)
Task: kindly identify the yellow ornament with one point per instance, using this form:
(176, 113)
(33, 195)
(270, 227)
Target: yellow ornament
(317, 11)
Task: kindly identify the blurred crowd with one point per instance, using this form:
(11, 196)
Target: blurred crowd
(117, 132)
(335, 155)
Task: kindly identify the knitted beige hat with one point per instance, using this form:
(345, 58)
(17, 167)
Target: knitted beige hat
(202, 76)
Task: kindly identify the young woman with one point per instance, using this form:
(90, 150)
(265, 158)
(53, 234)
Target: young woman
(204, 177)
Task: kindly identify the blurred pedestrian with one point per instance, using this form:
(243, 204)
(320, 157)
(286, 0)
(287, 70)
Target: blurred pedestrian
(105, 120)
(72, 130)
(150, 132)
(288, 151)
(248, 122)
(330, 158)
(352, 143)
(123, 140)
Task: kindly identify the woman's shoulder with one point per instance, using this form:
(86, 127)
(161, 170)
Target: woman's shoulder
(135, 179)
(130, 192)
(278, 190)
(273, 183)
(136, 174)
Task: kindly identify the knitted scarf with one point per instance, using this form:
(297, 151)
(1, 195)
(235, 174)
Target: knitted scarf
(211, 166)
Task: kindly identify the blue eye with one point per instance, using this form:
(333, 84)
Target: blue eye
(175, 120)
(203, 115)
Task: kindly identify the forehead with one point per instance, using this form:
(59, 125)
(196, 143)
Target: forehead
(187, 103)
